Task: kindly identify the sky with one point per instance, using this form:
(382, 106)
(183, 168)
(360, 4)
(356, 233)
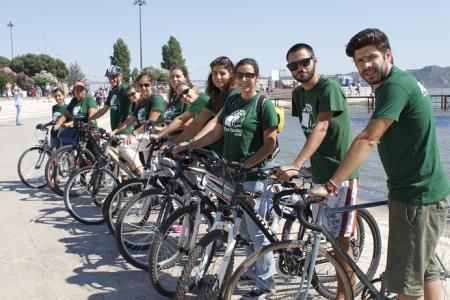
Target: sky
(85, 31)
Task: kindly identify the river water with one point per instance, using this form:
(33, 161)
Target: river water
(372, 175)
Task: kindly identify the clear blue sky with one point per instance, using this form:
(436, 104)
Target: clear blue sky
(84, 31)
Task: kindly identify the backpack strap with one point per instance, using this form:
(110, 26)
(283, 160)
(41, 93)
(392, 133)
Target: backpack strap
(260, 105)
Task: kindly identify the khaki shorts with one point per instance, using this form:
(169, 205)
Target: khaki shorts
(414, 232)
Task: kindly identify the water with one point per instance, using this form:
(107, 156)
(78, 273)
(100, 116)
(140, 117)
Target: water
(372, 175)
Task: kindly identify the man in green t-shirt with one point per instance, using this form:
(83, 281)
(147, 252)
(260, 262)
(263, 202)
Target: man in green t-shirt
(322, 109)
(403, 128)
(117, 103)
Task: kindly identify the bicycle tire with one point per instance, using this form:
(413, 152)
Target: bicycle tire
(118, 198)
(214, 241)
(55, 175)
(138, 222)
(85, 192)
(289, 255)
(370, 260)
(43, 156)
(179, 223)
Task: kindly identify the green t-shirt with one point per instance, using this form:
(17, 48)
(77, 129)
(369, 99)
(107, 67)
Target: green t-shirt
(243, 132)
(175, 109)
(80, 108)
(197, 106)
(142, 110)
(408, 149)
(57, 111)
(119, 106)
(325, 96)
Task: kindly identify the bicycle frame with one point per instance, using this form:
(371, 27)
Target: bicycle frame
(311, 257)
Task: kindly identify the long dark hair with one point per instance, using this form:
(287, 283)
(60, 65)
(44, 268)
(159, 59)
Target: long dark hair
(185, 72)
(217, 95)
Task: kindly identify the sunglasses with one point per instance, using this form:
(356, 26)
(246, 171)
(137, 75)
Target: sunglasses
(299, 63)
(240, 75)
(141, 85)
(131, 94)
(184, 92)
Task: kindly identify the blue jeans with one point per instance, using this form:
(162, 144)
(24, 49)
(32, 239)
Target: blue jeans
(265, 267)
(19, 114)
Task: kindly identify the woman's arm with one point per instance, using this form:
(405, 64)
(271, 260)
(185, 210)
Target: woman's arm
(128, 122)
(195, 126)
(177, 123)
(270, 138)
(211, 137)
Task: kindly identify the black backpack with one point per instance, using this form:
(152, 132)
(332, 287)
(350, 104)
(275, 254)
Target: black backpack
(259, 111)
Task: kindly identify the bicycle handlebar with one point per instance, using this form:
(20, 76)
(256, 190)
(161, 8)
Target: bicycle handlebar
(301, 206)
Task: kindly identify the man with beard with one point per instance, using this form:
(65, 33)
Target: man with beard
(403, 128)
(322, 108)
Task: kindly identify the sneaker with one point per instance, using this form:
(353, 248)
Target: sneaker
(257, 293)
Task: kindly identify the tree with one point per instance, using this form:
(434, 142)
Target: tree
(158, 75)
(4, 62)
(134, 74)
(24, 81)
(4, 79)
(43, 77)
(172, 54)
(32, 64)
(121, 57)
(75, 73)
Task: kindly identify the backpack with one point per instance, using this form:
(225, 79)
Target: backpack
(259, 110)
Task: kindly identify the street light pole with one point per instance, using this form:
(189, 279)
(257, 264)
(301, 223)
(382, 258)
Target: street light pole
(11, 25)
(140, 3)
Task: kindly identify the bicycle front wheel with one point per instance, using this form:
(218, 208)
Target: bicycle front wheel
(85, 192)
(200, 276)
(138, 222)
(31, 167)
(118, 198)
(171, 247)
(289, 258)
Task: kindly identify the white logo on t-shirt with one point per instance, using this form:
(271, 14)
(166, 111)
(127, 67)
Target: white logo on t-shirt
(307, 121)
(141, 114)
(113, 102)
(76, 111)
(56, 115)
(233, 122)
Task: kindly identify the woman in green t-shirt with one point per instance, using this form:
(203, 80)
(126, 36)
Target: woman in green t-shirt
(148, 107)
(220, 84)
(175, 107)
(248, 139)
(57, 110)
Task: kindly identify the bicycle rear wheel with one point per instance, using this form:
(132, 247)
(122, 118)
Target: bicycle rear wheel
(85, 192)
(61, 165)
(31, 167)
(289, 258)
(138, 222)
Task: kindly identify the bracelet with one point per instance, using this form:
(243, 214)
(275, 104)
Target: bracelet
(331, 187)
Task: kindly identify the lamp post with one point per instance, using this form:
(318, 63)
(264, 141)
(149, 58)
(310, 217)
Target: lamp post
(11, 25)
(140, 3)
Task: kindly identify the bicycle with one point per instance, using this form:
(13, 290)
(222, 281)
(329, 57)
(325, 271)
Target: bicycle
(365, 242)
(31, 164)
(88, 187)
(211, 262)
(179, 233)
(70, 157)
(301, 261)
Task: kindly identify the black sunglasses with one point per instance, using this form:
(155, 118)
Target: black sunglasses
(299, 63)
(240, 75)
(131, 94)
(184, 92)
(144, 85)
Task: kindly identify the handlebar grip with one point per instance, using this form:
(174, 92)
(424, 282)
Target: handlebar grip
(301, 213)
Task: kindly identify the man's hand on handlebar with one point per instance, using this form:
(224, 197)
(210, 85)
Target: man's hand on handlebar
(180, 148)
(287, 172)
(319, 192)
